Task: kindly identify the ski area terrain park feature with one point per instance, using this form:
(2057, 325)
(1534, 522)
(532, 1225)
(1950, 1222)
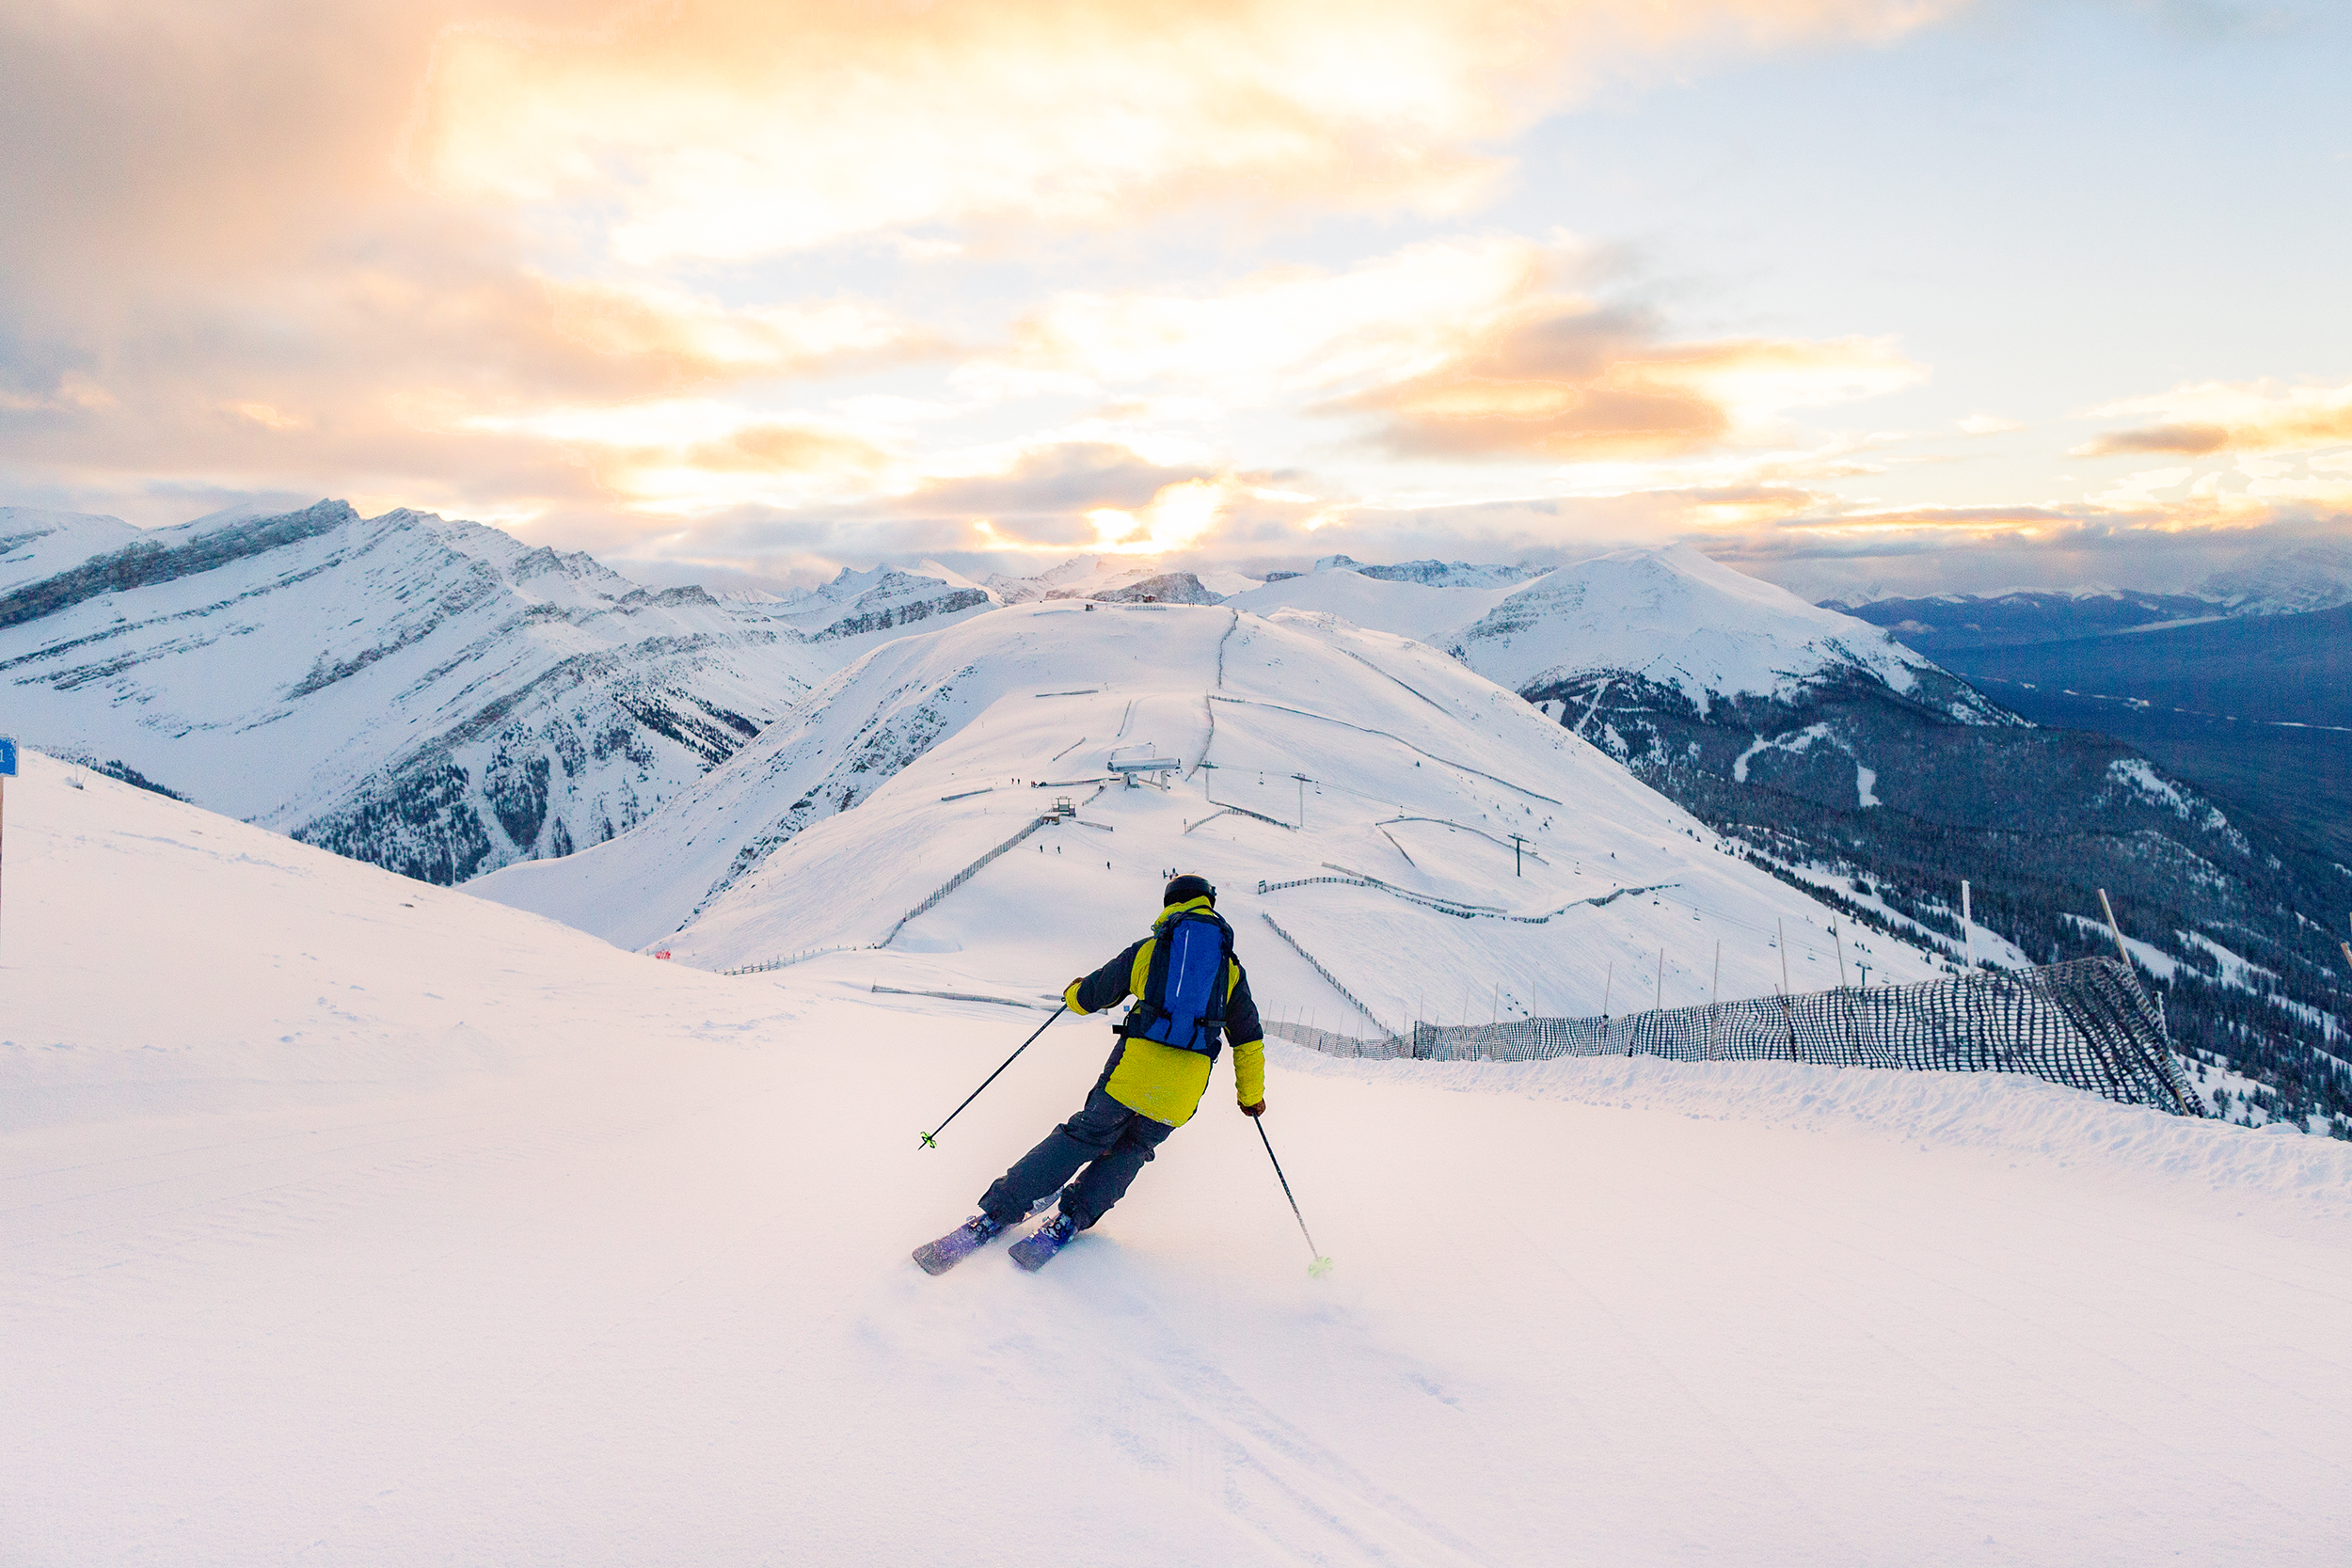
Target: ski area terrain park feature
(354, 1221)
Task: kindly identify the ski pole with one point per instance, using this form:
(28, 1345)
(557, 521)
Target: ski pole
(1322, 1265)
(930, 1136)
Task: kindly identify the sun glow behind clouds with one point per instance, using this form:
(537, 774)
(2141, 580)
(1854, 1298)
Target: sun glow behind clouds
(1179, 518)
(1284, 331)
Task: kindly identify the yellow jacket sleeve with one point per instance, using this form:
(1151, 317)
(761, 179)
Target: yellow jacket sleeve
(1249, 1073)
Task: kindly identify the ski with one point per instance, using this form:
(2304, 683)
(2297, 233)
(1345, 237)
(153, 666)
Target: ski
(958, 1244)
(1037, 1250)
(968, 1238)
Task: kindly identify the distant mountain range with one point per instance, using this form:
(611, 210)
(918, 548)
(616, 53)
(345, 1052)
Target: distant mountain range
(2251, 700)
(1952, 622)
(2293, 580)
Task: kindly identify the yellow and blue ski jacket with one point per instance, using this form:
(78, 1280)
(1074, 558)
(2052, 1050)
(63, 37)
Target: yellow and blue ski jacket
(1166, 1082)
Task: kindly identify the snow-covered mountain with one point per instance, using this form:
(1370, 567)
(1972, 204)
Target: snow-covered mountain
(35, 544)
(438, 698)
(2293, 579)
(1662, 656)
(2288, 580)
(1947, 624)
(1670, 617)
(1122, 579)
(1432, 573)
(1366, 793)
(883, 599)
(432, 696)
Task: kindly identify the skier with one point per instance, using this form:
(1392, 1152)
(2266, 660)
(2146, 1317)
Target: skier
(1190, 995)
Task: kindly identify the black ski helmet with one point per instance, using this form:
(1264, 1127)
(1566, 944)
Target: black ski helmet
(1185, 888)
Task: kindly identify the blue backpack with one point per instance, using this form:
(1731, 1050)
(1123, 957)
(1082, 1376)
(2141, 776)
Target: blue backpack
(1182, 1003)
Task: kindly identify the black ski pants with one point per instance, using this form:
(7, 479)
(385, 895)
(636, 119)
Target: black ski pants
(1112, 1142)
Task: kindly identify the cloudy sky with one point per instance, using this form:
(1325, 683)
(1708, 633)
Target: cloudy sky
(1897, 295)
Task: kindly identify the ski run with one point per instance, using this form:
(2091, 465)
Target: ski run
(351, 1220)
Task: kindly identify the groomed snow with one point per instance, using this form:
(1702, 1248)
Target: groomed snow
(352, 1221)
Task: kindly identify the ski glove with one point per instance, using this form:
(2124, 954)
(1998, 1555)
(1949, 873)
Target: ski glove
(1257, 1110)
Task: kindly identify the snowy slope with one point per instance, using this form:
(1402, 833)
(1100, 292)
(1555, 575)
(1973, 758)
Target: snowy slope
(854, 809)
(379, 1225)
(35, 544)
(430, 695)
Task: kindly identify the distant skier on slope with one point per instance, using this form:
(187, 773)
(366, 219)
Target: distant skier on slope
(1191, 995)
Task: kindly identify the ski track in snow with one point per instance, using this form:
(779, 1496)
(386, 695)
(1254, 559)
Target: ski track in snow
(349, 1221)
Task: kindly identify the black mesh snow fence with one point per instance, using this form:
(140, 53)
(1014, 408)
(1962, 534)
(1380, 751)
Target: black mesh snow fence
(2085, 1023)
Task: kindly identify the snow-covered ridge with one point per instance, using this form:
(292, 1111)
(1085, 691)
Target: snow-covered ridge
(883, 599)
(434, 696)
(1432, 573)
(1119, 578)
(35, 544)
(1680, 619)
(1672, 616)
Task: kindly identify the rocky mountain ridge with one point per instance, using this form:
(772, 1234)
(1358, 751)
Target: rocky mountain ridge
(432, 696)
